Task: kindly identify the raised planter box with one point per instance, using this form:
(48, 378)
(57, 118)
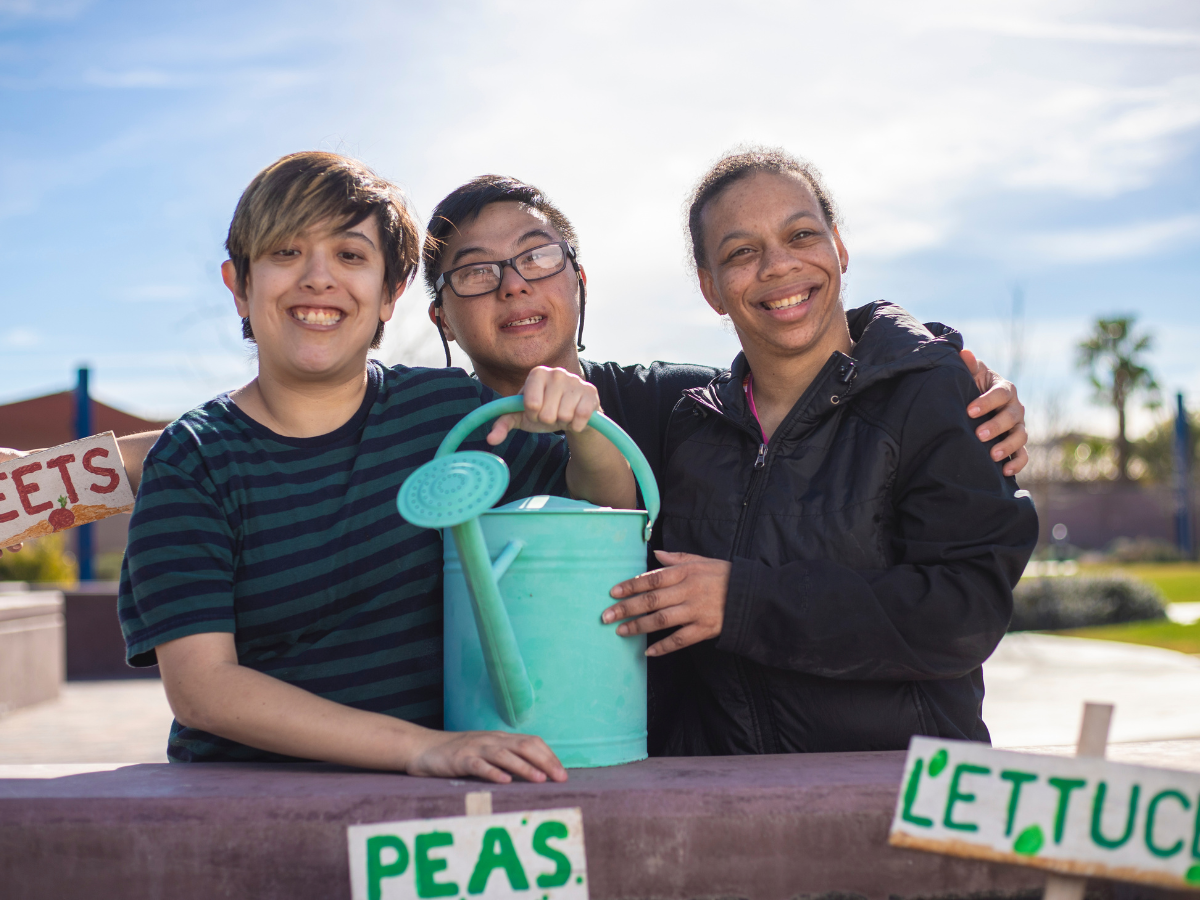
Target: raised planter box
(762, 828)
(95, 645)
(31, 648)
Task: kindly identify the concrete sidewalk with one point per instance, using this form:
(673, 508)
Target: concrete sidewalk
(1036, 687)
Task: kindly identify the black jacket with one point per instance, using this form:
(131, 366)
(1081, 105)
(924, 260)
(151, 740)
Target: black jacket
(874, 545)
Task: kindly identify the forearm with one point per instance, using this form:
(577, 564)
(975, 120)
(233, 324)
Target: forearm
(597, 471)
(134, 448)
(252, 708)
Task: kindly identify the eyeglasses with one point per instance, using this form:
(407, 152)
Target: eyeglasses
(479, 278)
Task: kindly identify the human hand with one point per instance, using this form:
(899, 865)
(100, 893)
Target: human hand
(689, 593)
(555, 400)
(999, 394)
(7, 453)
(490, 755)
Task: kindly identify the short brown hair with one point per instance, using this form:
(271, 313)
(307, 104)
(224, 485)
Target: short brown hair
(736, 165)
(302, 189)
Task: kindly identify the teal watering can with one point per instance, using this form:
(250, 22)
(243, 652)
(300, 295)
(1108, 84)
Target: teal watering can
(525, 584)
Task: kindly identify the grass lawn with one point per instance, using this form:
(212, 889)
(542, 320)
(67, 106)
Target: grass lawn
(1159, 633)
(1177, 581)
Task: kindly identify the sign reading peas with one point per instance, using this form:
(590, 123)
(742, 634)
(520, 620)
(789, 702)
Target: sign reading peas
(531, 855)
(1071, 815)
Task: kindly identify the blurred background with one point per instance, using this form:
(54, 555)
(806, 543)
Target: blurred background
(1024, 171)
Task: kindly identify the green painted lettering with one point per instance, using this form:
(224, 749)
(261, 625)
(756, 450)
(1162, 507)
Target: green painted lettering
(377, 869)
(427, 868)
(562, 865)
(1064, 786)
(938, 762)
(1014, 797)
(910, 796)
(1151, 811)
(1098, 837)
(1196, 833)
(956, 796)
(497, 853)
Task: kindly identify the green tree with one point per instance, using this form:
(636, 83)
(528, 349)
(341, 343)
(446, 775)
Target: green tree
(1114, 358)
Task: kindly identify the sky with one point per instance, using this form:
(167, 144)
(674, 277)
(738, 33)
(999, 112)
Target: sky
(1013, 169)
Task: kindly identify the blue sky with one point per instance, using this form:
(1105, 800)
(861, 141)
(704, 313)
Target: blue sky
(975, 149)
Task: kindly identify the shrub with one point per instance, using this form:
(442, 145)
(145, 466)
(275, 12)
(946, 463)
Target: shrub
(1049, 604)
(41, 560)
(1143, 549)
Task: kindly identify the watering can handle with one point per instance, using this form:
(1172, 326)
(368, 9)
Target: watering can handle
(599, 421)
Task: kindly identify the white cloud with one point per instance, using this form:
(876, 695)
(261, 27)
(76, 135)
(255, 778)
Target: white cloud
(22, 338)
(131, 78)
(159, 292)
(1116, 242)
(1083, 32)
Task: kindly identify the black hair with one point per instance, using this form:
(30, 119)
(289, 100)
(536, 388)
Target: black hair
(464, 204)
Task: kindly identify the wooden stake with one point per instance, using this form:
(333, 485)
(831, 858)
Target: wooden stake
(479, 803)
(1093, 741)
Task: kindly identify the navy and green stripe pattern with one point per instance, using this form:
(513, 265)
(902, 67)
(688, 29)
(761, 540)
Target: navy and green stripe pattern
(294, 546)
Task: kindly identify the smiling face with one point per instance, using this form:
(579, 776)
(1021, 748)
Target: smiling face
(522, 323)
(315, 301)
(774, 265)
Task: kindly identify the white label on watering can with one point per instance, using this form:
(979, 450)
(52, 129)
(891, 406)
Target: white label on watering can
(531, 855)
(1073, 815)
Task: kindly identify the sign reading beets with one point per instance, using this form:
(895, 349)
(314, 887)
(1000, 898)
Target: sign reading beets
(56, 489)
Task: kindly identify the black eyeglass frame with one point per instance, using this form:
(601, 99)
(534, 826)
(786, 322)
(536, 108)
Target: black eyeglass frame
(441, 283)
(568, 256)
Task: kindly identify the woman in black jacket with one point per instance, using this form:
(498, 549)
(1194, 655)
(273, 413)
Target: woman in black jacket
(843, 550)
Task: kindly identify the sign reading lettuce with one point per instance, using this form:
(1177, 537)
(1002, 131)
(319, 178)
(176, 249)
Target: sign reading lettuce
(1072, 815)
(532, 855)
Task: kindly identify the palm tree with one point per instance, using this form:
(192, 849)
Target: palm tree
(1114, 359)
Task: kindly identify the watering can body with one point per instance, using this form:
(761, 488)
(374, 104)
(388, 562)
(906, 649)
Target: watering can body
(524, 587)
(589, 684)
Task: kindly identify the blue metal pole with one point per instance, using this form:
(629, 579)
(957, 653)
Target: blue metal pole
(83, 428)
(1183, 519)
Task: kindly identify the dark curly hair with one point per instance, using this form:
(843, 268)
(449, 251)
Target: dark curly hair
(740, 164)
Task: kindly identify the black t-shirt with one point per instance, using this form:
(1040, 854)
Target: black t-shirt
(640, 398)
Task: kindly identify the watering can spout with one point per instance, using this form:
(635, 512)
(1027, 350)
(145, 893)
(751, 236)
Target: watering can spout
(502, 656)
(451, 492)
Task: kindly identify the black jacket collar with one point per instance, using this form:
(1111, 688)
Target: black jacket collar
(888, 342)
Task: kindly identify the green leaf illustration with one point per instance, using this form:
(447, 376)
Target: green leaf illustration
(938, 763)
(1029, 841)
(1193, 875)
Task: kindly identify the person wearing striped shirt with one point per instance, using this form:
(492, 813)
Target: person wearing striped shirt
(293, 614)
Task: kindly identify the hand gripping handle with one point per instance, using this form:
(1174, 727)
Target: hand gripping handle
(599, 421)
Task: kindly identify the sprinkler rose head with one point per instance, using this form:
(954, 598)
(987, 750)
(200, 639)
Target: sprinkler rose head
(452, 489)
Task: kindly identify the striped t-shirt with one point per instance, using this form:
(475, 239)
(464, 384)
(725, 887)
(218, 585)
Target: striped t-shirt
(294, 546)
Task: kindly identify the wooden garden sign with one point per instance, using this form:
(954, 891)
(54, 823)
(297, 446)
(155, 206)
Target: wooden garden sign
(530, 855)
(56, 489)
(1069, 815)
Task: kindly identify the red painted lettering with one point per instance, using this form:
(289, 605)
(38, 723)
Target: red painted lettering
(60, 463)
(24, 490)
(12, 513)
(111, 474)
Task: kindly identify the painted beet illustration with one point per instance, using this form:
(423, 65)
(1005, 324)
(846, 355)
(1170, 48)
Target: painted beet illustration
(62, 517)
